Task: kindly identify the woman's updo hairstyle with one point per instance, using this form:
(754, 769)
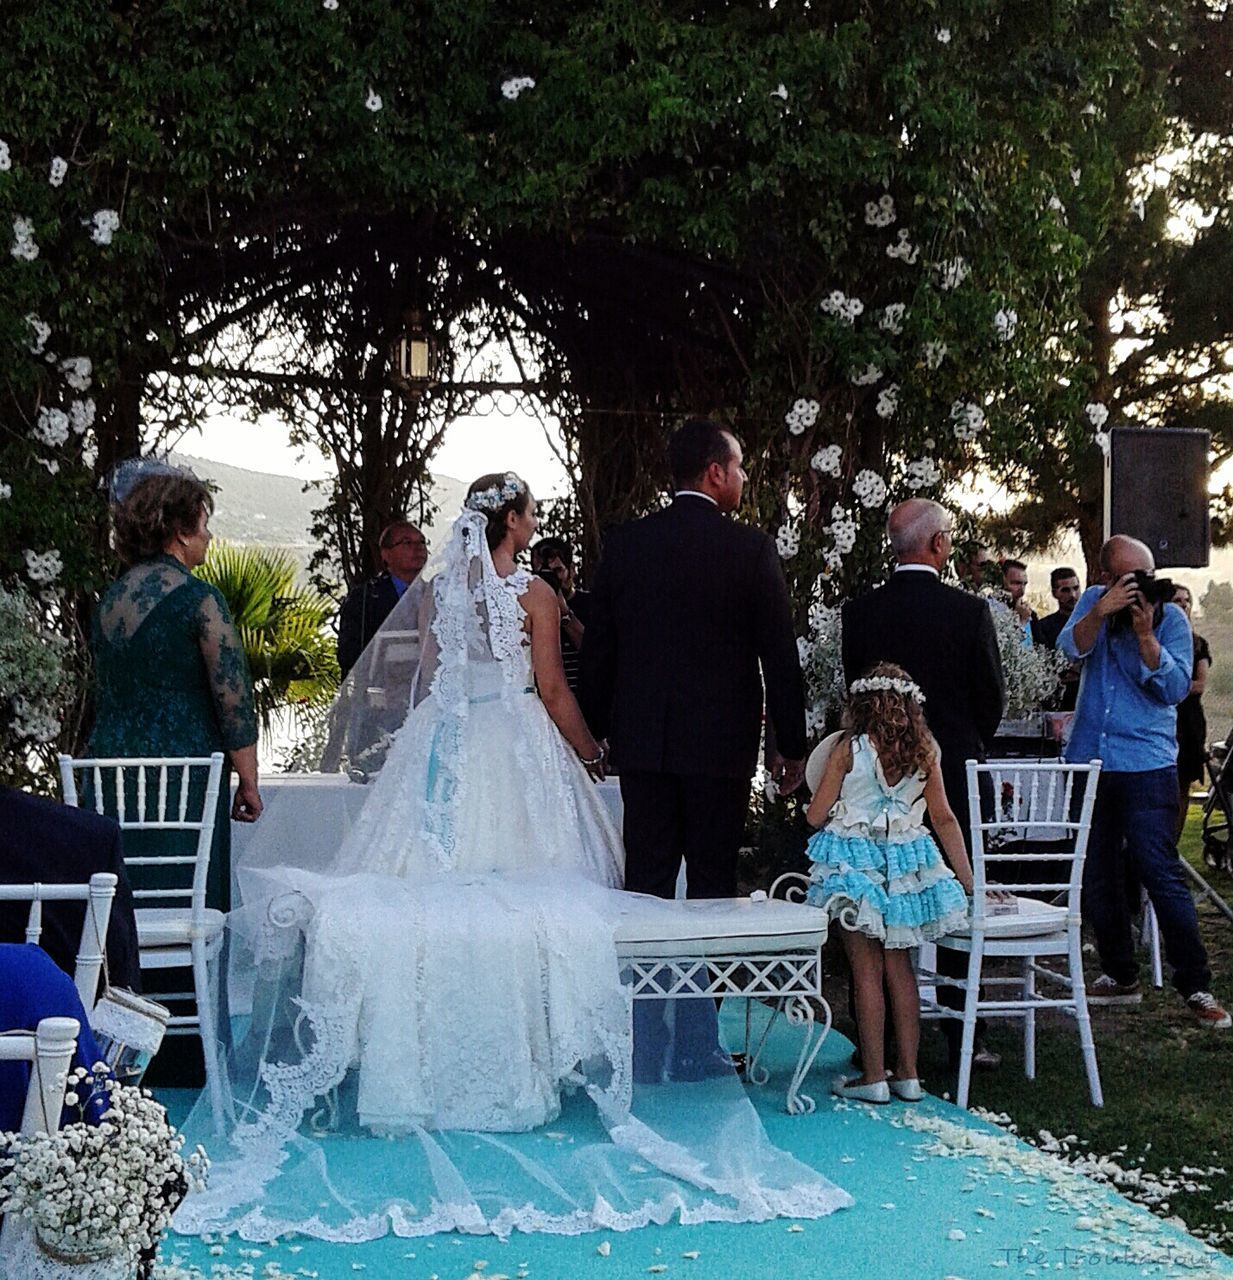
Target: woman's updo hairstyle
(155, 510)
(495, 496)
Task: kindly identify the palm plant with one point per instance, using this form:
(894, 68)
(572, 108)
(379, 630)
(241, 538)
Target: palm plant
(283, 627)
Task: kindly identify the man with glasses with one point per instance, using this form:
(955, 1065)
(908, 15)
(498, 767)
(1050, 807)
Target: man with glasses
(404, 552)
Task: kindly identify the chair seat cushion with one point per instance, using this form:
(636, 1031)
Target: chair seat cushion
(717, 926)
(173, 926)
(1031, 918)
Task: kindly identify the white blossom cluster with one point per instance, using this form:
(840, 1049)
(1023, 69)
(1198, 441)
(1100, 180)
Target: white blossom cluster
(934, 353)
(31, 668)
(1101, 440)
(32, 724)
(43, 566)
(1005, 322)
(880, 212)
(842, 530)
(58, 171)
(1033, 673)
(520, 84)
(867, 376)
(888, 401)
(81, 415)
(331, 5)
(373, 101)
(838, 304)
(903, 248)
(780, 92)
(827, 460)
(100, 1187)
(6, 491)
(825, 687)
(802, 415)
(942, 35)
(869, 488)
(41, 331)
(788, 540)
(24, 246)
(6, 158)
(51, 427)
(952, 272)
(1097, 414)
(891, 320)
(103, 225)
(968, 419)
(78, 372)
(922, 473)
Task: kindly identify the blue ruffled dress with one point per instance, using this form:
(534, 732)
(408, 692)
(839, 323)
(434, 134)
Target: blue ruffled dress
(876, 868)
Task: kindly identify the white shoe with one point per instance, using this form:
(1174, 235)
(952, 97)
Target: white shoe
(846, 1087)
(907, 1090)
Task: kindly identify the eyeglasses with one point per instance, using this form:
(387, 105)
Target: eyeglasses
(409, 542)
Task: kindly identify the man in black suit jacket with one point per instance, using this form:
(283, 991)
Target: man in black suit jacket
(404, 552)
(686, 607)
(43, 840)
(944, 639)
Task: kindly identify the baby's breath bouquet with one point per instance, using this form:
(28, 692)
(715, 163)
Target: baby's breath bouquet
(102, 1192)
(1033, 673)
(31, 679)
(822, 663)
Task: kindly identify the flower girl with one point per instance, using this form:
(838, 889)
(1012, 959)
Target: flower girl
(878, 871)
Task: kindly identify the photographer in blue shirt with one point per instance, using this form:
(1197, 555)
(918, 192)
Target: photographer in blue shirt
(1136, 652)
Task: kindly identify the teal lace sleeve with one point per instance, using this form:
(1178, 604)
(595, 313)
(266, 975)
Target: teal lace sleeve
(230, 681)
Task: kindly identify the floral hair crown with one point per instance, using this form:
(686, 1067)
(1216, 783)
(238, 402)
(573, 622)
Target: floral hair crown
(887, 684)
(494, 498)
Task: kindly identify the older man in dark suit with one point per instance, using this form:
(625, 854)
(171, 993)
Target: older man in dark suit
(689, 616)
(944, 639)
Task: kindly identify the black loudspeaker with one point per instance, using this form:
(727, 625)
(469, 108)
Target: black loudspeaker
(1156, 490)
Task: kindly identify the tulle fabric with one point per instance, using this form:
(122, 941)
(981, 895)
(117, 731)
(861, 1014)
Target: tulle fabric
(430, 997)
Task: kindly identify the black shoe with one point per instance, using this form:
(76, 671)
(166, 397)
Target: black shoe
(709, 1067)
(983, 1058)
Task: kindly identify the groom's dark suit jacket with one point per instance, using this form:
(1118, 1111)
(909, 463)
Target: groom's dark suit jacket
(687, 606)
(944, 639)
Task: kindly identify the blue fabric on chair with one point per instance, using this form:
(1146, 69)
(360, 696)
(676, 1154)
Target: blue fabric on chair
(33, 988)
(43, 840)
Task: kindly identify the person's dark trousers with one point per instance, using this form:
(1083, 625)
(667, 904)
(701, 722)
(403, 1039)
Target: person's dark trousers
(668, 817)
(1132, 828)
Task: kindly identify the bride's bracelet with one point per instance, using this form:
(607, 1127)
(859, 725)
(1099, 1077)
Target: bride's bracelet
(590, 764)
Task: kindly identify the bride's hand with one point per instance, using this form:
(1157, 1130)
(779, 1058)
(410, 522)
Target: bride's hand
(595, 765)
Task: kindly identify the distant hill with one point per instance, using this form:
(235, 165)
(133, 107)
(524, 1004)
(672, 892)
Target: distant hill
(255, 507)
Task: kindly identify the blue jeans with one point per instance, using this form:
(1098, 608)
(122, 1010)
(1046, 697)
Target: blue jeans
(1132, 830)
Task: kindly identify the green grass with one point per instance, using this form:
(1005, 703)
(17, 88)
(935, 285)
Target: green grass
(1168, 1083)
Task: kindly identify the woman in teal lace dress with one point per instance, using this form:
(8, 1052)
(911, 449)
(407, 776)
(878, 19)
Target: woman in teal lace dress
(172, 678)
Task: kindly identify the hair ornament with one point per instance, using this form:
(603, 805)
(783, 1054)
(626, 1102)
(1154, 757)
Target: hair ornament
(887, 684)
(128, 474)
(491, 500)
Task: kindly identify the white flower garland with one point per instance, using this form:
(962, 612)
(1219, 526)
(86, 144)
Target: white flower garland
(887, 684)
(492, 499)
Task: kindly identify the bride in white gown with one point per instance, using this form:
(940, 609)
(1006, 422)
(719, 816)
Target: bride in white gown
(454, 967)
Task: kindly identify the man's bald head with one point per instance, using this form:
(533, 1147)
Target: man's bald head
(919, 531)
(1123, 554)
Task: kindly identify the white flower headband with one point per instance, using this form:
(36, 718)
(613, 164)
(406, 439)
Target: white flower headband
(494, 498)
(887, 684)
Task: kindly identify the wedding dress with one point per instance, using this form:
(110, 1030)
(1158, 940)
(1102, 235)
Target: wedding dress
(453, 974)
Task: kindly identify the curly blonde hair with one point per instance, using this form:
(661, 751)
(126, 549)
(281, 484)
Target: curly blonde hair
(895, 724)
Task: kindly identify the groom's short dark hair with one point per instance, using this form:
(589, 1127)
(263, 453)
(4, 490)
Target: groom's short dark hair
(695, 444)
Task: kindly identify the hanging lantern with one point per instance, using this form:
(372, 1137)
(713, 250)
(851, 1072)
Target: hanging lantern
(412, 357)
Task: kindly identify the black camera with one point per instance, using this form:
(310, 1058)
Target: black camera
(1156, 591)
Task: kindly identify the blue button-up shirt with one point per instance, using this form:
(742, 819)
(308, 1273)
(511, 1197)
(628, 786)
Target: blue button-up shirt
(1127, 713)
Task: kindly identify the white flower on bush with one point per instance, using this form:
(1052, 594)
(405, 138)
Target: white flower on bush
(6, 491)
(59, 170)
(104, 225)
(42, 332)
(968, 419)
(78, 372)
(1076, 176)
(32, 724)
(51, 465)
(942, 35)
(1097, 414)
(827, 460)
(43, 567)
(838, 304)
(802, 415)
(870, 488)
(952, 272)
(51, 427)
(1005, 322)
(891, 320)
(880, 212)
(780, 92)
(6, 159)
(842, 530)
(888, 401)
(24, 247)
(903, 248)
(923, 473)
(329, 4)
(934, 353)
(373, 101)
(867, 376)
(517, 85)
(81, 415)
(1102, 441)
(788, 541)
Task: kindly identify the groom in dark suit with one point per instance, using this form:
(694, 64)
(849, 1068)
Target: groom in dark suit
(689, 617)
(944, 639)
